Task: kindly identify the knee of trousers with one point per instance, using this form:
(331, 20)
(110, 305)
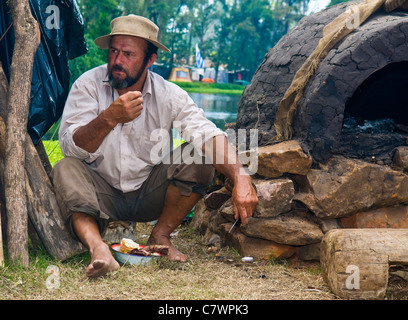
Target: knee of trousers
(196, 170)
(64, 166)
(74, 192)
(72, 183)
(192, 173)
(191, 177)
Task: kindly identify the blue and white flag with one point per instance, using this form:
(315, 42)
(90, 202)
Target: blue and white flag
(199, 58)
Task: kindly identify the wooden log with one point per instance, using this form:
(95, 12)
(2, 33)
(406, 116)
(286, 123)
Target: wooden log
(26, 32)
(3, 93)
(44, 157)
(2, 151)
(3, 104)
(41, 206)
(1, 247)
(44, 211)
(355, 262)
(1, 244)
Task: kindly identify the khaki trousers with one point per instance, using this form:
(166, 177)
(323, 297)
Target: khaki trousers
(80, 189)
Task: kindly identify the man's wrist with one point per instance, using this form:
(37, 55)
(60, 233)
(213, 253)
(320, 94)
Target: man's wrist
(107, 120)
(241, 176)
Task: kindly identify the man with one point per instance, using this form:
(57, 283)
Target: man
(106, 132)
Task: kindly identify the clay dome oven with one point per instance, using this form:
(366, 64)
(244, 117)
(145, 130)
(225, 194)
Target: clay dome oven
(356, 103)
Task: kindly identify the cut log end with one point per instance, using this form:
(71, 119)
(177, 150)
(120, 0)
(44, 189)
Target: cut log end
(355, 262)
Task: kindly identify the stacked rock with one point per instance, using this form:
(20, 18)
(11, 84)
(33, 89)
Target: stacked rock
(300, 201)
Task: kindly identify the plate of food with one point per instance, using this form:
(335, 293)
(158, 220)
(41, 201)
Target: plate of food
(130, 252)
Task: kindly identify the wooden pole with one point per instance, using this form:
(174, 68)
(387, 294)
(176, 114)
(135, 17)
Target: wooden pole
(30, 194)
(2, 151)
(42, 206)
(3, 104)
(26, 33)
(1, 246)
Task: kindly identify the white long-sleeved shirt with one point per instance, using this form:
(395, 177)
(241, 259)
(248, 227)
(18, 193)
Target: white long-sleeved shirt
(129, 152)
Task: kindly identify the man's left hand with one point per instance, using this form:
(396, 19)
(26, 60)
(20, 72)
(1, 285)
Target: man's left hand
(244, 199)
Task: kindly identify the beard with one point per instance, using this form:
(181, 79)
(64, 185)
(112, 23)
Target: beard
(128, 81)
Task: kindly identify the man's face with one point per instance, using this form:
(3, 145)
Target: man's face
(126, 61)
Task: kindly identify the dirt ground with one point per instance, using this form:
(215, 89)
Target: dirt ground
(209, 274)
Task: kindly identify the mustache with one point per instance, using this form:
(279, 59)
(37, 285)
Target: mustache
(118, 68)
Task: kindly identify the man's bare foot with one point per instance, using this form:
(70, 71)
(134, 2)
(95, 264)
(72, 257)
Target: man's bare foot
(173, 254)
(102, 262)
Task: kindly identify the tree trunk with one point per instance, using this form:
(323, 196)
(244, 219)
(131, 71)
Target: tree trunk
(44, 157)
(1, 245)
(2, 151)
(3, 105)
(26, 33)
(47, 226)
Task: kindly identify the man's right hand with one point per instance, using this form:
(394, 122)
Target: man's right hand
(124, 109)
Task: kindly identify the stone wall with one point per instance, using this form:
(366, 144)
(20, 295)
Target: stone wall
(300, 201)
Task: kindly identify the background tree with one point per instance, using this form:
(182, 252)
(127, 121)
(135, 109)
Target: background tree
(235, 34)
(161, 12)
(249, 28)
(97, 17)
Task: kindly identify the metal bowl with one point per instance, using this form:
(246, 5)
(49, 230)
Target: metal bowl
(132, 259)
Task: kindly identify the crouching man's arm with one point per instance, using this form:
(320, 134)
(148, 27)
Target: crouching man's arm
(225, 160)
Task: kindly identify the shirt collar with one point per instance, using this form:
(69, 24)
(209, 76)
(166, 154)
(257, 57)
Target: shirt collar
(147, 88)
(105, 81)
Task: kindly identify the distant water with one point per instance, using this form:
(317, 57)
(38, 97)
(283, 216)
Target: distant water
(219, 108)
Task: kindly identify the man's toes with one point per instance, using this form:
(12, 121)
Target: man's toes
(98, 264)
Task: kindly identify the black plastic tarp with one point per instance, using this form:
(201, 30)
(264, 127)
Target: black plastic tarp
(62, 39)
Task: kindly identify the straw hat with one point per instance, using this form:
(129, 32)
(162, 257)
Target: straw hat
(132, 25)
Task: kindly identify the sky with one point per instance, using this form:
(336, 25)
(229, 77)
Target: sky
(317, 5)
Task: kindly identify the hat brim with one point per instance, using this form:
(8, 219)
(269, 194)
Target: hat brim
(103, 42)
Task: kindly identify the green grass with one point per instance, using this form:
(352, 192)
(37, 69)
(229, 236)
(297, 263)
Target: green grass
(53, 151)
(211, 88)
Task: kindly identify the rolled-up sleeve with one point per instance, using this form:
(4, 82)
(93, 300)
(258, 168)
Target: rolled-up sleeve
(80, 109)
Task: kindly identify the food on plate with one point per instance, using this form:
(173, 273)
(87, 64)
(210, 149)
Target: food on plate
(149, 250)
(130, 247)
(127, 245)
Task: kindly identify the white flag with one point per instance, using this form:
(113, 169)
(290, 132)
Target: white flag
(199, 58)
